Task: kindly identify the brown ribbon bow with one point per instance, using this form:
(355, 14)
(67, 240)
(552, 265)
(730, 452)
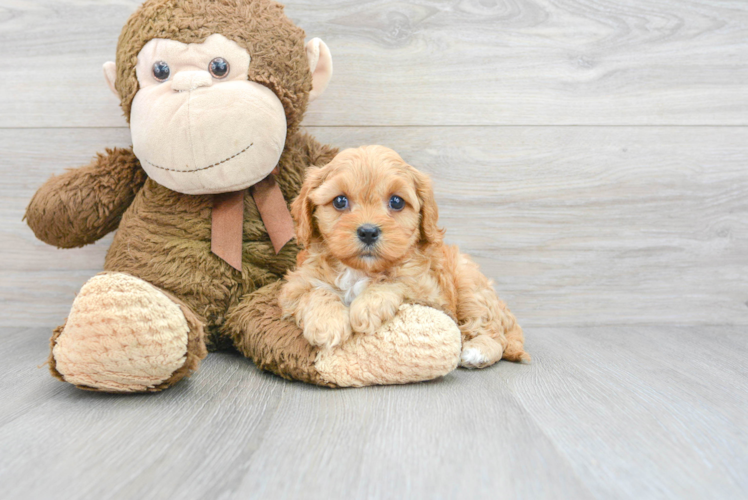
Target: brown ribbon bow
(228, 220)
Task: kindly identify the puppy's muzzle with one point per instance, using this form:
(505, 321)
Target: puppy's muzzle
(368, 234)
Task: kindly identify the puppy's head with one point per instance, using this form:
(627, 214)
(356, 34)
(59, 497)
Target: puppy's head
(368, 207)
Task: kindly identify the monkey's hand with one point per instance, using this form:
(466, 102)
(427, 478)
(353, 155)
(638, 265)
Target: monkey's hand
(376, 305)
(82, 205)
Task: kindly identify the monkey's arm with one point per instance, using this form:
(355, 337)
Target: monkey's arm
(84, 204)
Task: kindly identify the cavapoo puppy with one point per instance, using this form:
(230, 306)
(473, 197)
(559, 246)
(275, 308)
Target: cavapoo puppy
(368, 223)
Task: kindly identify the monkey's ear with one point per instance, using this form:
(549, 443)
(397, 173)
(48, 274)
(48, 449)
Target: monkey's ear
(320, 64)
(110, 73)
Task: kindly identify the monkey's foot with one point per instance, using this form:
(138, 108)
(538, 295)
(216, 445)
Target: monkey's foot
(418, 344)
(125, 335)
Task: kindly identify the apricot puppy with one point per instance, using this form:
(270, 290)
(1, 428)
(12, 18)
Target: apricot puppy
(368, 222)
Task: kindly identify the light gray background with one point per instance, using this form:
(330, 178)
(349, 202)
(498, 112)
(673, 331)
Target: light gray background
(591, 155)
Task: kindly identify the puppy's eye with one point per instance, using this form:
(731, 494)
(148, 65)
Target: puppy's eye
(397, 203)
(340, 203)
(161, 71)
(219, 68)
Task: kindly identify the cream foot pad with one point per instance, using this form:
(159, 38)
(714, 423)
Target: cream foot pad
(419, 344)
(122, 335)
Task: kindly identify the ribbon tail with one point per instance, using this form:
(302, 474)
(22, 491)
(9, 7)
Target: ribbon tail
(226, 235)
(274, 212)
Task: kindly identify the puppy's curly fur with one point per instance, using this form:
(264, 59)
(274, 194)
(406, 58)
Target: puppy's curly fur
(348, 281)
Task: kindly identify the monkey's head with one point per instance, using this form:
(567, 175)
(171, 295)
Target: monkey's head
(212, 88)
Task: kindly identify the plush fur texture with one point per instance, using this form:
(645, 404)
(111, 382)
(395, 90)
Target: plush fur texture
(162, 248)
(164, 238)
(418, 344)
(125, 335)
(408, 262)
(274, 345)
(83, 205)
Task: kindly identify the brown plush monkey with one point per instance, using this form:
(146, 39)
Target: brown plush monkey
(214, 92)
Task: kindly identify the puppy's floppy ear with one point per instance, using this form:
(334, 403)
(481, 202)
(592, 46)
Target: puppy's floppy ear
(302, 208)
(430, 232)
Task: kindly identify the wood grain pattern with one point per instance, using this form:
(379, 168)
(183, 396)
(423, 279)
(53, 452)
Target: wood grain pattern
(590, 154)
(577, 225)
(632, 395)
(609, 413)
(444, 62)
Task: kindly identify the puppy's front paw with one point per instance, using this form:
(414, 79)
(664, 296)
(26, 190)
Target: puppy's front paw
(328, 327)
(368, 316)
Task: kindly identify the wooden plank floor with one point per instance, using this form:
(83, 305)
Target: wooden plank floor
(617, 412)
(591, 154)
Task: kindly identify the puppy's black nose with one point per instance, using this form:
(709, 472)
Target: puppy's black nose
(368, 233)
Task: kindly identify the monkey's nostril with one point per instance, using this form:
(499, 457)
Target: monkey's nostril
(368, 233)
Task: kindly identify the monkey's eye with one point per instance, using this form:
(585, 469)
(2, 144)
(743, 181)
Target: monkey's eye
(161, 71)
(397, 203)
(219, 67)
(340, 203)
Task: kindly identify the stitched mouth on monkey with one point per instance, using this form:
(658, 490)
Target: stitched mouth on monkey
(188, 170)
(208, 151)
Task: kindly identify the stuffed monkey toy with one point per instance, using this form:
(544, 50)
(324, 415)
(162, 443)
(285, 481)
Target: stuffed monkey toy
(214, 92)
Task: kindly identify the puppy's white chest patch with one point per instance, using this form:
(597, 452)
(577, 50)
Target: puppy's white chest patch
(351, 282)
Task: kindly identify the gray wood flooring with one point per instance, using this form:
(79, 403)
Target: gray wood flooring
(608, 413)
(592, 155)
